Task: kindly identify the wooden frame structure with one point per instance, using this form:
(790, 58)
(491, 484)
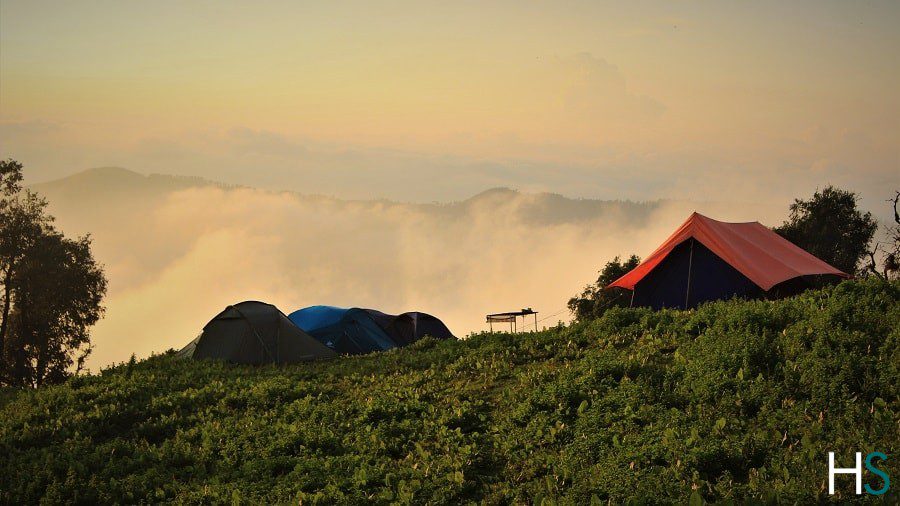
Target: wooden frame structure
(511, 318)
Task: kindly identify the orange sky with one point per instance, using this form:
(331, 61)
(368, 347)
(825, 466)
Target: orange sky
(659, 99)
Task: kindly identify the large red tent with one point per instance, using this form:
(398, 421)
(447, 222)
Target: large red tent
(706, 259)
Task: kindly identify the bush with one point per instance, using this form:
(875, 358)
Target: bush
(734, 401)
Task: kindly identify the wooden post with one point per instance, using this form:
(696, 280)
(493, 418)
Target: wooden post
(687, 294)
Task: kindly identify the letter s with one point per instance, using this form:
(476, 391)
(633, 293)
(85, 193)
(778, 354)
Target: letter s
(882, 474)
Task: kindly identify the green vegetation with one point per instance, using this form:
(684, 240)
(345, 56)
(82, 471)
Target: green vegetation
(595, 299)
(831, 226)
(732, 401)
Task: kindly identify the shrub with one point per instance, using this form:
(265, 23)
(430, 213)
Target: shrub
(734, 401)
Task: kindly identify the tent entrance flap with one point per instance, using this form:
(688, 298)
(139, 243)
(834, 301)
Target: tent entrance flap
(689, 275)
(687, 291)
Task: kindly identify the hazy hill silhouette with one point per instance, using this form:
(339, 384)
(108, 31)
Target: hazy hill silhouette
(103, 187)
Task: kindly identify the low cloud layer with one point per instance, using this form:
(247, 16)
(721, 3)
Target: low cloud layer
(178, 251)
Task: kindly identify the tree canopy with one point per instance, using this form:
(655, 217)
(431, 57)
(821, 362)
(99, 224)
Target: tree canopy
(595, 299)
(888, 248)
(830, 226)
(51, 289)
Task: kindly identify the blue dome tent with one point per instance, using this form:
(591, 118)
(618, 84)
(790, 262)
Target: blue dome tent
(350, 331)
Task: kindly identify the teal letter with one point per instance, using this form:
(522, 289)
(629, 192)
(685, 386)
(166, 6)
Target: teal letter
(884, 476)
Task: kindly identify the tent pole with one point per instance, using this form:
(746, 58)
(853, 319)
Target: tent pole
(631, 304)
(687, 294)
(535, 322)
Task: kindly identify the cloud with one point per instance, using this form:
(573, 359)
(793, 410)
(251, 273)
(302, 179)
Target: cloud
(176, 256)
(598, 91)
(247, 141)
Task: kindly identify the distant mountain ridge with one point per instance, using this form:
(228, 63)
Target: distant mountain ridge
(122, 177)
(120, 185)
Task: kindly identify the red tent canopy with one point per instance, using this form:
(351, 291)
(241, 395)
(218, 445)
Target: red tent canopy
(755, 251)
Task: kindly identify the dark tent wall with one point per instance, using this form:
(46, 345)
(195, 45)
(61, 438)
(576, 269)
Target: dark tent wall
(409, 327)
(256, 333)
(428, 325)
(347, 331)
(355, 331)
(690, 275)
(401, 328)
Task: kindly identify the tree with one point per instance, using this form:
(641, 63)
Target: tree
(889, 248)
(52, 289)
(830, 226)
(595, 299)
(19, 224)
(10, 180)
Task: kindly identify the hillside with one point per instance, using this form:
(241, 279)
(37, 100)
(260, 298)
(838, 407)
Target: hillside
(735, 400)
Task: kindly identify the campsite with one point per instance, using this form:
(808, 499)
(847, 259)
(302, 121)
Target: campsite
(443, 253)
(257, 333)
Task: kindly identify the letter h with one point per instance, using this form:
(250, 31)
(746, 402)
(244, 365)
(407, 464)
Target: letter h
(845, 470)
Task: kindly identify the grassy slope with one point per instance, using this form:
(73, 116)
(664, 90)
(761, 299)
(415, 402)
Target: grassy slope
(734, 400)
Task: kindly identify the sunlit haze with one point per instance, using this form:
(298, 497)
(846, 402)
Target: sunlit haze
(731, 108)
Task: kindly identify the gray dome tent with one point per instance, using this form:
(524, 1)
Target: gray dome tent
(425, 324)
(254, 333)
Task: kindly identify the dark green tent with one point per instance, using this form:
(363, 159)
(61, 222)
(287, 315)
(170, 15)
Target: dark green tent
(254, 333)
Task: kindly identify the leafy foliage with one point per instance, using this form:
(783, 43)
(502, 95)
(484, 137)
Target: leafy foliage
(830, 226)
(732, 402)
(595, 299)
(888, 266)
(10, 180)
(50, 289)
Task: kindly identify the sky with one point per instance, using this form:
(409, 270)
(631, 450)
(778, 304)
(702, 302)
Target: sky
(731, 108)
(425, 101)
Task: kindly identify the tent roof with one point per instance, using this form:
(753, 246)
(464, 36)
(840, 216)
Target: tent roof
(316, 317)
(253, 332)
(755, 251)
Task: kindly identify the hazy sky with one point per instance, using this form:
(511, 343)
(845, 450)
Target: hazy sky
(743, 104)
(438, 100)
